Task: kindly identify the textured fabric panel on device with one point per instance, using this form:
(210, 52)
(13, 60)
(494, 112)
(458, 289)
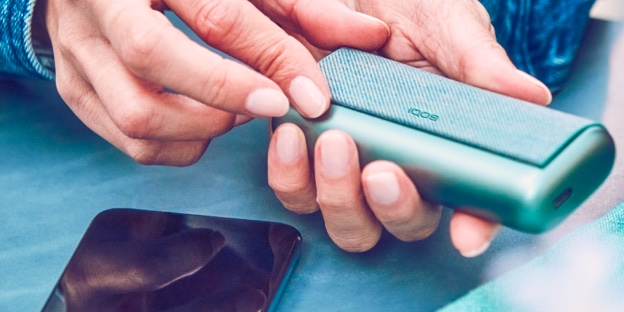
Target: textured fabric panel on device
(414, 98)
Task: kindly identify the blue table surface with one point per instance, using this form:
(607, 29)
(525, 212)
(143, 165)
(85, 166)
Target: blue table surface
(56, 175)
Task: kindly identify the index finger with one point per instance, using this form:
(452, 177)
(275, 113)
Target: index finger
(239, 29)
(154, 50)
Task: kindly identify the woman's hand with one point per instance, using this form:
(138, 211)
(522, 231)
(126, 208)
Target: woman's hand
(448, 37)
(140, 83)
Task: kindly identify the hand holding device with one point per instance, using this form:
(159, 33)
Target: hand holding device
(495, 157)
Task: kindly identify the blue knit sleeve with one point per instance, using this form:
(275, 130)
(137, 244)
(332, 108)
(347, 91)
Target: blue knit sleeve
(17, 55)
(541, 37)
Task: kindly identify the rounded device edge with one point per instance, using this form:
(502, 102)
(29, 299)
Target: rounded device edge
(465, 178)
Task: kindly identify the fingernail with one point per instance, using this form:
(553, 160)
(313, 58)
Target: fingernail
(536, 82)
(383, 187)
(376, 20)
(477, 251)
(334, 155)
(287, 145)
(267, 103)
(481, 249)
(307, 96)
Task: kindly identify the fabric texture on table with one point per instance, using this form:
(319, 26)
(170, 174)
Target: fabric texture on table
(582, 272)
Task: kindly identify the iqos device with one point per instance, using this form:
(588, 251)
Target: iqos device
(493, 156)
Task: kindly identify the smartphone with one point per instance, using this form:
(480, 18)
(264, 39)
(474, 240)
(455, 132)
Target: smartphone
(139, 260)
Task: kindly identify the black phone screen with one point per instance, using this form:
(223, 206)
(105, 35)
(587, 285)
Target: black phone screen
(138, 260)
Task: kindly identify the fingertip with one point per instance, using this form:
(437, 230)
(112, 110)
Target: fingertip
(289, 171)
(377, 30)
(470, 235)
(308, 98)
(488, 67)
(382, 187)
(543, 96)
(334, 25)
(334, 155)
(348, 221)
(374, 21)
(288, 144)
(394, 200)
(383, 182)
(359, 243)
(287, 153)
(265, 102)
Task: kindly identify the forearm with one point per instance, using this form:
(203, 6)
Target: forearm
(17, 47)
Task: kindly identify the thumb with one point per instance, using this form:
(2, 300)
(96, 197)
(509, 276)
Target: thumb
(486, 65)
(327, 24)
(465, 48)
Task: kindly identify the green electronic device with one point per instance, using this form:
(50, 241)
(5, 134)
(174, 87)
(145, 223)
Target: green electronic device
(499, 158)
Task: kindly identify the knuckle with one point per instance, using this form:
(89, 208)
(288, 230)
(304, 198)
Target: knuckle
(72, 91)
(284, 11)
(139, 46)
(291, 186)
(492, 30)
(179, 154)
(328, 202)
(216, 19)
(355, 241)
(481, 12)
(274, 58)
(191, 154)
(395, 217)
(289, 8)
(301, 207)
(65, 42)
(337, 202)
(72, 43)
(300, 198)
(135, 122)
(419, 228)
(67, 90)
(417, 235)
(217, 83)
(145, 152)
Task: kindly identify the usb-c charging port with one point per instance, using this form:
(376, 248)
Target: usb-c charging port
(562, 198)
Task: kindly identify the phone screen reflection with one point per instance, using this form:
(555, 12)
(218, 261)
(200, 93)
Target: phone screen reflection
(134, 260)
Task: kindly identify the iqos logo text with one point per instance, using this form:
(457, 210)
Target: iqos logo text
(423, 114)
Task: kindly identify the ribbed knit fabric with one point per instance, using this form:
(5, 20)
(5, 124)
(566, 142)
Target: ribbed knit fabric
(17, 56)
